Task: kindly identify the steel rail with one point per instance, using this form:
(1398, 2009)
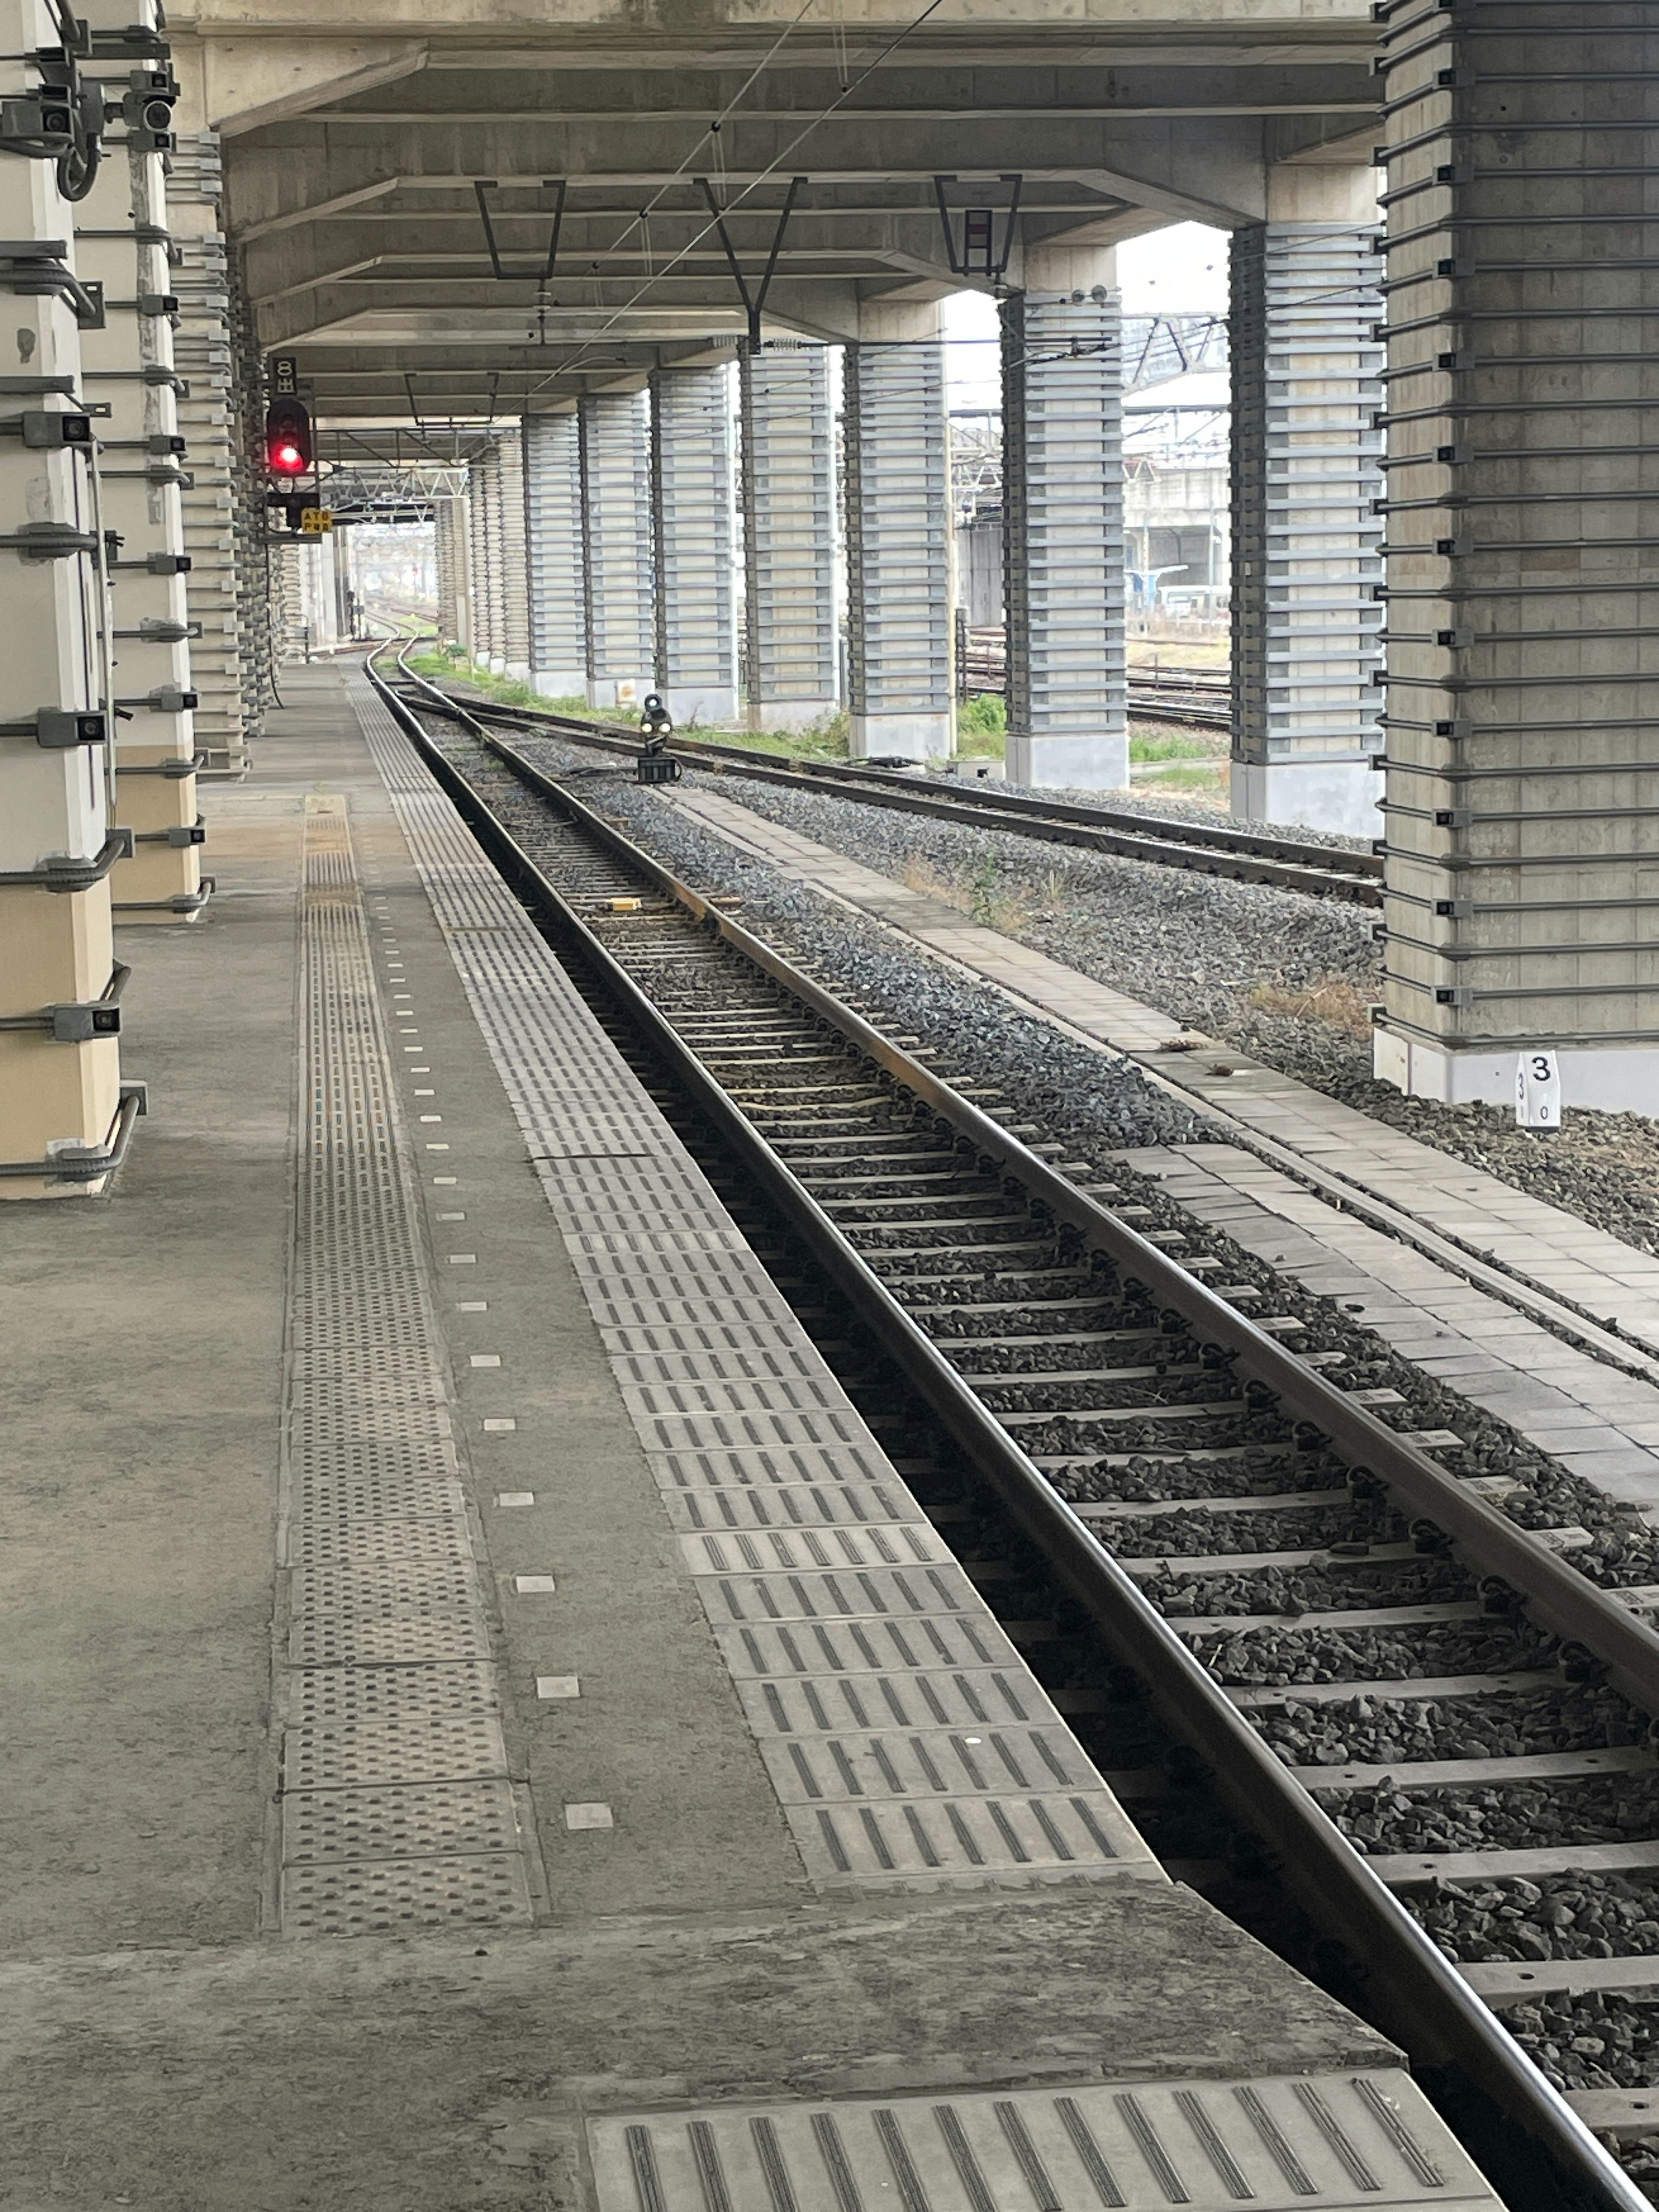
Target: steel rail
(1287, 864)
(1408, 1984)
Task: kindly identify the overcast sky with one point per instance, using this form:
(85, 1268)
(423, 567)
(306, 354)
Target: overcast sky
(1180, 271)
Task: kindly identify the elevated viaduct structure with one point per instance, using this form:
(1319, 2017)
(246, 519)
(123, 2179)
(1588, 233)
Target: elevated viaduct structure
(540, 239)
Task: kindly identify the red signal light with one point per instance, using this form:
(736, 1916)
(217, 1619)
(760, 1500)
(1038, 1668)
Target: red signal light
(287, 438)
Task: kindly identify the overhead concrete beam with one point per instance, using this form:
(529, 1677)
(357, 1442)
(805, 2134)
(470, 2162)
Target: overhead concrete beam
(1215, 175)
(243, 83)
(334, 210)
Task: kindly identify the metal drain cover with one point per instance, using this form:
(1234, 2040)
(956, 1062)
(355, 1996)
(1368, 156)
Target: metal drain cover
(1316, 2140)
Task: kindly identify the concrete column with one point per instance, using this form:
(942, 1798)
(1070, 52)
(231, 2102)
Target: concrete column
(1063, 412)
(1522, 716)
(449, 534)
(211, 420)
(900, 633)
(120, 234)
(788, 482)
(493, 518)
(515, 595)
(553, 556)
(478, 563)
(287, 602)
(55, 1092)
(1306, 476)
(694, 523)
(617, 557)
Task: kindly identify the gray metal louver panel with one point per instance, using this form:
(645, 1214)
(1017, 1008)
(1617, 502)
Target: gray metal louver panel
(694, 525)
(901, 651)
(1306, 472)
(617, 563)
(553, 542)
(788, 526)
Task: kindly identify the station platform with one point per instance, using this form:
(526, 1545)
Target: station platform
(487, 1724)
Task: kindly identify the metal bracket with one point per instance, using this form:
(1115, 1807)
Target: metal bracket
(179, 835)
(175, 771)
(164, 699)
(979, 256)
(70, 1161)
(182, 903)
(78, 1021)
(65, 872)
(36, 268)
(753, 303)
(60, 729)
(49, 541)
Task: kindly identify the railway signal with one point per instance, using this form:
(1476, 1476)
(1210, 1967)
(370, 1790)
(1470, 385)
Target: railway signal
(287, 438)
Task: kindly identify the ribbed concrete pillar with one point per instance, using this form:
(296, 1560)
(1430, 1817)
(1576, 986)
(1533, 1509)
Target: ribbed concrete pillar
(477, 562)
(217, 537)
(788, 489)
(55, 1091)
(120, 229)
(617, 555)
(694, 525)
(494, 570)
(449, 536)
(1062, 413)
(900, 637)
(1522, 717)
(553, 556)
(1306, 476)
(515, 595)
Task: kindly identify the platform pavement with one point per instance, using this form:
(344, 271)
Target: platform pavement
(159, 2044)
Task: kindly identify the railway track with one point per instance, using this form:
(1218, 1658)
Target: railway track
(1416, 1673)
(1196, 697)
(1249, 856)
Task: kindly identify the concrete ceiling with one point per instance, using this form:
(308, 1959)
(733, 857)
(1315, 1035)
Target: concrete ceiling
(356, 141)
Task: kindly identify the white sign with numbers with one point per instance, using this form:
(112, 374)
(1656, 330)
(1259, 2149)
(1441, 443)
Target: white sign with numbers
(1538, 1091)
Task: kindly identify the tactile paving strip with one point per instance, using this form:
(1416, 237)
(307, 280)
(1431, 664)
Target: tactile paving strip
(1321, 2142)
(810, 1557)
(400, 1814)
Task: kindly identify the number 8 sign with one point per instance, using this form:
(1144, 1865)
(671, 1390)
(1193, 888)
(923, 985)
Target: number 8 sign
(1537, 1092)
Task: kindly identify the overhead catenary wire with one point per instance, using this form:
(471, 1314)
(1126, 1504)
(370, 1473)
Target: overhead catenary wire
(772, 169)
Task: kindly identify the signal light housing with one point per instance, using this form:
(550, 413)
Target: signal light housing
(287, 438)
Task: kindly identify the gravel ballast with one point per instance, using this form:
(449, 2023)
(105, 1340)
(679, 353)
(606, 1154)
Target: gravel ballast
(1223, 957)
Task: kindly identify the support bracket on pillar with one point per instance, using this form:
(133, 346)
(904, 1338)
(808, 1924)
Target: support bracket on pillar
(35, 267)
(753, 302)
(978, 255)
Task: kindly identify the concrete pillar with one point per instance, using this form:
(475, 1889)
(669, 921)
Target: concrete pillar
(1306, 476)
(483, 477)
(121, 242)
(694, 523)
(56, 1092)
(477, 562)
(553, 556)
(449, 534)
(210, 415)
(1063, 412)
(788, 483)
(493, 521)
(1522, 715)
(617, 557)
(516, 596)
(900, 632)
(288, 603)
